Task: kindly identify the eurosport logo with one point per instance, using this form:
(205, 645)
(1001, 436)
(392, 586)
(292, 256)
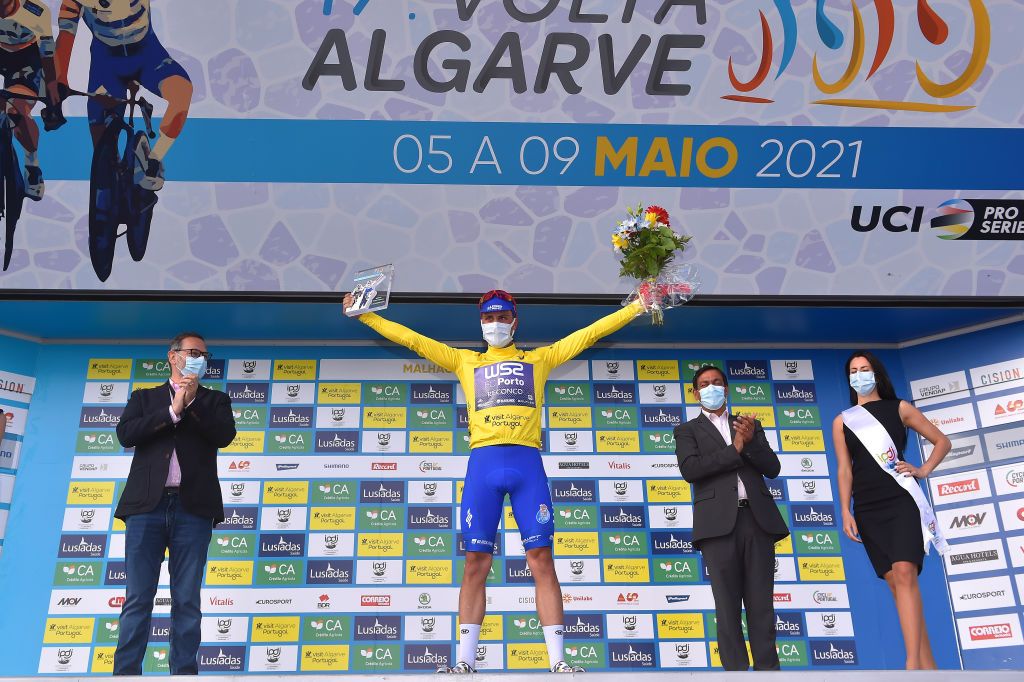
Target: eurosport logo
(747, 370)
(573, 490)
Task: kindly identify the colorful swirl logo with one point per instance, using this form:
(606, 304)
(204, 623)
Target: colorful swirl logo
(888, 458)
(931, 26)
(955, 218)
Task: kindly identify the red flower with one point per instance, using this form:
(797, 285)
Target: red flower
(660, 212)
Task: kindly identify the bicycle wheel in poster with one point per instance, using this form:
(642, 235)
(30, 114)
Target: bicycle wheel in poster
(13, 191)
(105, 200)
(139, 214)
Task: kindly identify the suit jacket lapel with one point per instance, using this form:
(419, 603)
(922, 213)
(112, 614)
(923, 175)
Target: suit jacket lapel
(710, 428)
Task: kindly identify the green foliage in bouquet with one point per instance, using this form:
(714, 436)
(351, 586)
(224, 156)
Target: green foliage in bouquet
(646, 242)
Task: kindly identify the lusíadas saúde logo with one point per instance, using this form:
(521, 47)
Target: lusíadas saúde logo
(929, 23)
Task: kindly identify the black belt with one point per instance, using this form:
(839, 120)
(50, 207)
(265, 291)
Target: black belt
(171, 490)
(743, 503)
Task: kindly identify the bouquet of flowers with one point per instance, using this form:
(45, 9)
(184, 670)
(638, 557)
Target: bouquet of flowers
(646, 245)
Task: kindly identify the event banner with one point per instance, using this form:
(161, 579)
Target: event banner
(978, 492)
(15, 395)
(864, 147)
(341, 549)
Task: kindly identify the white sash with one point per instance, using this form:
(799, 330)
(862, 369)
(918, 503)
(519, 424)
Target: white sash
(878, 443)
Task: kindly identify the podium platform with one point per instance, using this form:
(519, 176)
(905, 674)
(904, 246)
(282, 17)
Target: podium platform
(654, 676)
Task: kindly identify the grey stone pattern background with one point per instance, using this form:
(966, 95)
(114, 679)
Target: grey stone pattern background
(247, 57)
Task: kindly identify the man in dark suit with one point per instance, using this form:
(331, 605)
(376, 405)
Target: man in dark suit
(735, 521)
(171, 502)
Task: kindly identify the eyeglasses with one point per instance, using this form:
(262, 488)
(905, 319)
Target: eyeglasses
(498, 293)
(194, 353)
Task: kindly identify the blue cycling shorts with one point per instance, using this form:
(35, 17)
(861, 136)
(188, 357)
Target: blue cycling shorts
(514, 470)
(146, 62)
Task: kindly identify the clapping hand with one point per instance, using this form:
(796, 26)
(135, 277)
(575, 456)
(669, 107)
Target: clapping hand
(744, 427)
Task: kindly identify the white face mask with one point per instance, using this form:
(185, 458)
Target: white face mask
(497, 334)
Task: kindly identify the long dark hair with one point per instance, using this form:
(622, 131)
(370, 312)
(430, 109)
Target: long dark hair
(882, 380)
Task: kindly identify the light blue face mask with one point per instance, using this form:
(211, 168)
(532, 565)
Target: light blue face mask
(712, 397)
(195, 366)
(863, 382)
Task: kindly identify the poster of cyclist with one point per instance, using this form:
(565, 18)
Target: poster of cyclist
(284, 145)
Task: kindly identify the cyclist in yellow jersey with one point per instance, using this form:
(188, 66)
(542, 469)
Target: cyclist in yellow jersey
(504, 389)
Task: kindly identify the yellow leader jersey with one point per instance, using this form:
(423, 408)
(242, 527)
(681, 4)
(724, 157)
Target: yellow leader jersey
(504, 386)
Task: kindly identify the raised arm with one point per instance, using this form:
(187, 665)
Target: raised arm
(577, 342)
(913, 418)
(760, 454)
(435, 351)
(138, 427)
(217, 423)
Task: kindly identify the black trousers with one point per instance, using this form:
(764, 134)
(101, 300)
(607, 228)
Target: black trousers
(742, 569)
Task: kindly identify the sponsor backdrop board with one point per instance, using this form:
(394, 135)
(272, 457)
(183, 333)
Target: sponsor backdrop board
(473, 143)
(341, 549)
(977, 399)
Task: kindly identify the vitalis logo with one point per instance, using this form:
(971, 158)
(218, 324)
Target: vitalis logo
(334, 58)
(966, 219)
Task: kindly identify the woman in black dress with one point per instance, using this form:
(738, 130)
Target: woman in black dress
(886, 518)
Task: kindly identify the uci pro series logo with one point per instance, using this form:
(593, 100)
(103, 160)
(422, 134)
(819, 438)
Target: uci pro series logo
(966, 219)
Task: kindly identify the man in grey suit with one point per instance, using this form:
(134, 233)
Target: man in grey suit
(735, 521)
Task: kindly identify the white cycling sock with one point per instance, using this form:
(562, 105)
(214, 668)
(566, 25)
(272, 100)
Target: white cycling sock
(31, 158)
(469, 637)
(553, 637)
(162, 146)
